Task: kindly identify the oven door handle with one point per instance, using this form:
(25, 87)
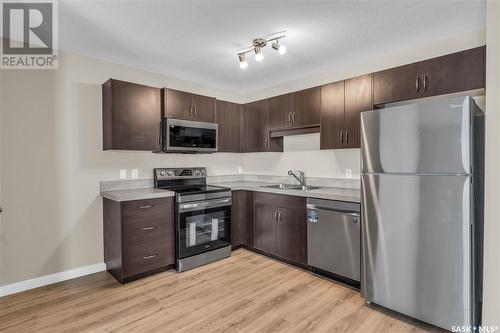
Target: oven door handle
(205, 205)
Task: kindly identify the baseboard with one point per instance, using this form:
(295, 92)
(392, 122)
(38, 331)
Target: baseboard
(49, 279)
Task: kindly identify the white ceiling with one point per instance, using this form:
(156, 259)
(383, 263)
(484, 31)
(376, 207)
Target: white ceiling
(197, 40)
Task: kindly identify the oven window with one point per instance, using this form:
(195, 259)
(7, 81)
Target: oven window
(182, 136)
(201, 229)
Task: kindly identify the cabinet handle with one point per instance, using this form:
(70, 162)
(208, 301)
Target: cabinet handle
(289, 117)
(417, 84)
(425, 82)
(342, 136)
(347, 136)
(279, 216)
(151, 256)
(266, 143)
(195, 112)
(146, 207)
(153, 227)
(293, 118)
(276, 215)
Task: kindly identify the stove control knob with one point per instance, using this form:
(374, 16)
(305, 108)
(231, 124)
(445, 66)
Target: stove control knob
(162, 173)
(196, 172)
(170, 173)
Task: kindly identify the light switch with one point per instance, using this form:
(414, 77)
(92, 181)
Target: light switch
(348, 173)
(123, 173)
(135, 174)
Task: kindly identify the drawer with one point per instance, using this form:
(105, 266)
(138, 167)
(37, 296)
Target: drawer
(142, 258)
(148, 208)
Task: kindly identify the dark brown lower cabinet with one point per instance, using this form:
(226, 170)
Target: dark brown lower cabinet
(242, 219)
(280, 226)
(138, 237)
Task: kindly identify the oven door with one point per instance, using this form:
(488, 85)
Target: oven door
(203, 226)
(189, 136)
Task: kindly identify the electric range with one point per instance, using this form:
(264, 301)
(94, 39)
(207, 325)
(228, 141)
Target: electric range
(202, 216)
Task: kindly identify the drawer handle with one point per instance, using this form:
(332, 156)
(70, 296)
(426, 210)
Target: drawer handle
(146, 207)
(151, 256)
(153, 227)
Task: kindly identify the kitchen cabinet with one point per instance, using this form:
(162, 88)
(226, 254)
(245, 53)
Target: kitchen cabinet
(280, 226)
(138, 237)
(332, 115)
(229, 118)
(183, 105)
(358, 97)
(131, 116)
(256, 125)
(280, 112)
(341, 105)
(306, 107)
(242, 219)
(456, 72)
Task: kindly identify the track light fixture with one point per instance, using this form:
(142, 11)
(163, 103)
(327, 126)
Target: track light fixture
(258, 44)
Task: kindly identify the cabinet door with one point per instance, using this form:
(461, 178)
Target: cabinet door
(178, 104)
(332, 115)
(228, 117)
(455, 72)
(358, 98)
(238, 218)
(266, 228)
(280, 111)
(292, 234)
(256, 123)
(397, 84)
(131, 116)
(306, 107)
(203, 108)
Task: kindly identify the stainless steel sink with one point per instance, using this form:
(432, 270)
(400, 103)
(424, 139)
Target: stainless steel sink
(280, 186)
(291, 187)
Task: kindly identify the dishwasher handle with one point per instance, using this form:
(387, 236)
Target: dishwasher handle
(352, 213)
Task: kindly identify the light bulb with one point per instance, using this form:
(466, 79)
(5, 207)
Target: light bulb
(243, 64)
(259, 57)
(282, 49)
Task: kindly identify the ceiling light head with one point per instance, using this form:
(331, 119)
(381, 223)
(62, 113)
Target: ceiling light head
(243, 61)
(279, 47)
(258, 54)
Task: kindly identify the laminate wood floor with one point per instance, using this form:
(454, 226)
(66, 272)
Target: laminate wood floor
(245, 293)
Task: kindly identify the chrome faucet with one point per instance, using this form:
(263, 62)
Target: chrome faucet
(301, 178)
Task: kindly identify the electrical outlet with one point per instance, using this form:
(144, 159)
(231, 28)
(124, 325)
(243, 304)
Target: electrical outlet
(240, 170)
(135, 174)
(123, 173)
(348, 173)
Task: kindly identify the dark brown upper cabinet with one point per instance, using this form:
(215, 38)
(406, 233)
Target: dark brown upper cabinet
(306, 107)
(280, 112)
(256, 126)
(456, 72)
(229, 118)
(358, 98)
(183, 105)
(332, 115)
(341, 105)
(131, 116)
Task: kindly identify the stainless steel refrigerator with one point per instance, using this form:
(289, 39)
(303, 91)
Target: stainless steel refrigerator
(422, 209)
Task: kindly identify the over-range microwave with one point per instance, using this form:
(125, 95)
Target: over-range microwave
(185, 136)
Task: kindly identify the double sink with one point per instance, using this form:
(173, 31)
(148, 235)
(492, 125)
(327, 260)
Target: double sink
(291, 187)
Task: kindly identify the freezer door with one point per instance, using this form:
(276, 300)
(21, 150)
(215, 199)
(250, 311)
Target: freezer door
(427, 137)
(416, 246)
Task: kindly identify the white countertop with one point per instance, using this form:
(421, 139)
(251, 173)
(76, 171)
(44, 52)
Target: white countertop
(329, 193)
(136, 194)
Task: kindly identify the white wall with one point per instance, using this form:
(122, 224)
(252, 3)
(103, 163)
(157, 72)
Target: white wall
(52, 159)
(491, 305)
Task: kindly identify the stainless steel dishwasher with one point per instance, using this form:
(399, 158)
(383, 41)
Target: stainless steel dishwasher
(334, 239)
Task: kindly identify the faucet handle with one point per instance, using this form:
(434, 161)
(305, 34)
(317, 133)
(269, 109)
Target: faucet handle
(290, 172)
